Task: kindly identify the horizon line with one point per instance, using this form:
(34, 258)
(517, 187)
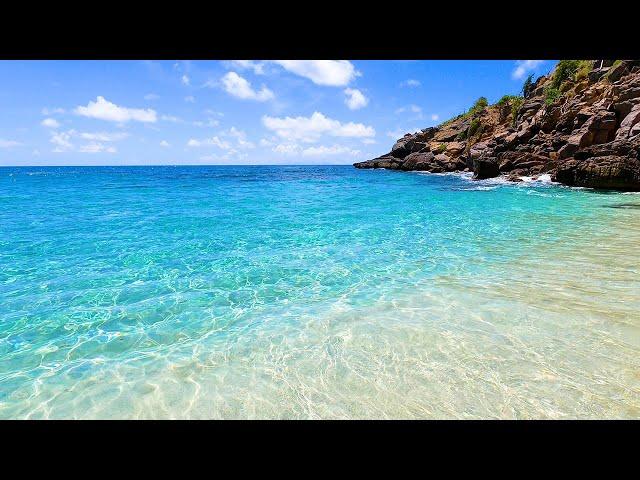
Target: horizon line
(193, 165)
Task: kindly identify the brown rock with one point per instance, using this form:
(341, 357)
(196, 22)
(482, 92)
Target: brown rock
(418, 161)
(455, 148)
(485, 168)
(626, 126)
(610, 172)
(617, 72)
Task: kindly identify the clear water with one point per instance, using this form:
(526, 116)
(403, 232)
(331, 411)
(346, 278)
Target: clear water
(314, 292)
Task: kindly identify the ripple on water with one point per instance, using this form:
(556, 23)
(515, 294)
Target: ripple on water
(324, 292)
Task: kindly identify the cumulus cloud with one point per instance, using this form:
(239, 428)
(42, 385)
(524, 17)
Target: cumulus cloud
(355, 99)
(50, 123)
(185, 80)
(165, 144)
(435, 117)
(409, 108)
(61, 141)
(240, 87)
(104, 110)
(209, 142)
(97, 148)
(314, 151)
(230, 140)
(287, 149)
(334, 73)
(210, 122)
(257, 67)
(310, 129)
(171, 118)
(103, 136)
(9, 143)
(240, 137)
(64, 141)
(333, 150)
(399, 133)
(52, 111)
(411, 83)
(523, 67)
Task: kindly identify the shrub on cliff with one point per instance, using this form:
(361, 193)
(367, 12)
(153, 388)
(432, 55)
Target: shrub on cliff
(527, 87)
(570, 70)
(479, 106)
(551, 94)
(516, 103)
(474, 127)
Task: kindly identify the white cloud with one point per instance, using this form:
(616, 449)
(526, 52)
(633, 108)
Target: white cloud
(239, 87)
(411, 83)
(190, 99)
(185, 80)
(257, 67)
(334, 150)
(104, 136)
(171, 118)
(97, 148)
(165, 144)
(399, 133)
(239, 137)
(334, 73)
(314, 151)
(104, 110)
(435, 117)
(355, 99)
(368, 141)
(523, 67)
(209, 123)
(286, 149)
(50, 123)
(210, 142)
(9, 143)
(52, 111)
(310, 129)
(151, 96)
(409, 108)
(63, 141)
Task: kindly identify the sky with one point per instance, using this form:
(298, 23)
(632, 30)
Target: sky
(242, 112)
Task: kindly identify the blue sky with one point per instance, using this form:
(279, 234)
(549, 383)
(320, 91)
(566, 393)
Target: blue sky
(233, 112)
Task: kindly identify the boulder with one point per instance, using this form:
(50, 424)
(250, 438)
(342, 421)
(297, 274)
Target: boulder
(617, 72)
(402, 147)
(509, 161)
(485, 168)
(607, 172)
(418, 161)
(631, 120)
(455, 148)
(385, 161)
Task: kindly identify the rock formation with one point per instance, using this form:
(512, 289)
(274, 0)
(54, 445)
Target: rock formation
(580, 124)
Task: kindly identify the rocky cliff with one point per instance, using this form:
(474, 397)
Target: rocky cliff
(580, 124)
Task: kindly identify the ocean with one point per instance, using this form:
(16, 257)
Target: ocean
(314, 292)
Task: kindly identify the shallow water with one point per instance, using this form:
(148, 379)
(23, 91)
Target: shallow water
(314, 292)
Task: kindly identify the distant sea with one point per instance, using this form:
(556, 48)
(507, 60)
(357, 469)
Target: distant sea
(314, 292)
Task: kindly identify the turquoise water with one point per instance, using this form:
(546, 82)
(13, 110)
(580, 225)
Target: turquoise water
(314, 292)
